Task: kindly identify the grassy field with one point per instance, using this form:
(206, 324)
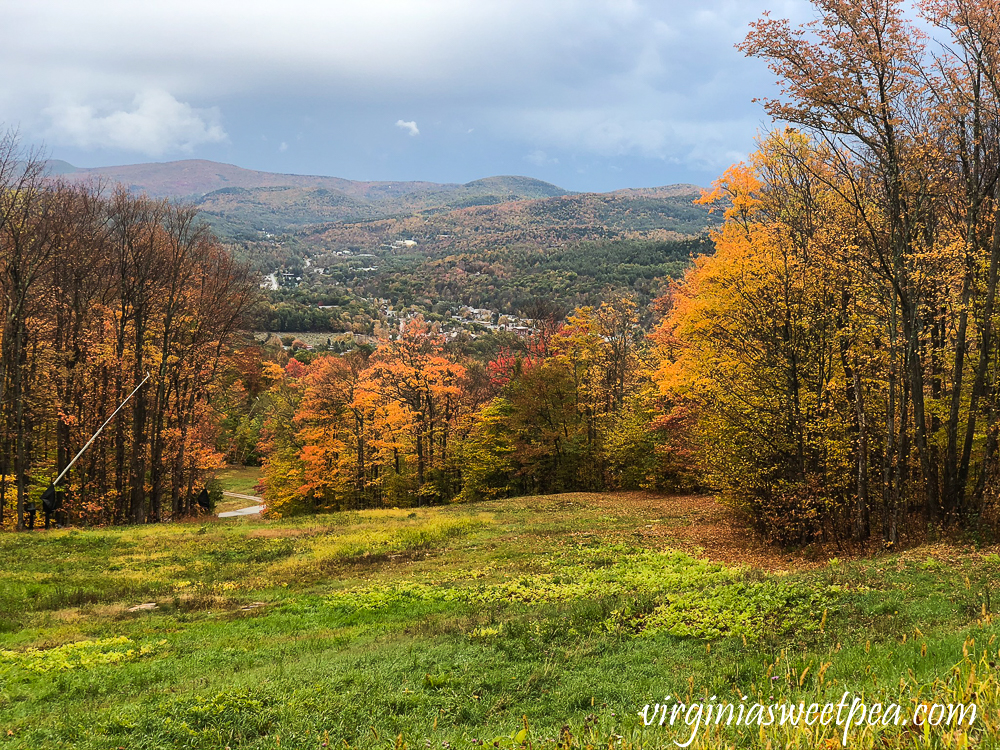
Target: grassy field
(241, 479)
(539, 622)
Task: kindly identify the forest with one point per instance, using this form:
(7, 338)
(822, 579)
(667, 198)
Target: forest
(109, 293)
(831, 369)
(827, 363)
(840, 349)
(504, 255)
(417, 421)
(508, 279)
(101, 289)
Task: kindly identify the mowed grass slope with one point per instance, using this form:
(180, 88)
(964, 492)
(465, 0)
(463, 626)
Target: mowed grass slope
(240, 479)
(544, 621)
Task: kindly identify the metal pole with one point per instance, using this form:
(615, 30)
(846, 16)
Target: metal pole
(108, 420)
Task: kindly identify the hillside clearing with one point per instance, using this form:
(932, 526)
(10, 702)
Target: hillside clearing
(452, 626)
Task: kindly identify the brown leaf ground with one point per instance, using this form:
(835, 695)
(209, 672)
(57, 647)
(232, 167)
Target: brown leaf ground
(696, 524)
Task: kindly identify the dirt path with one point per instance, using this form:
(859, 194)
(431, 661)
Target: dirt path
(248, 511)
(243, 497)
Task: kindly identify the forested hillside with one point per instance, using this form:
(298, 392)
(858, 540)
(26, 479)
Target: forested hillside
(506, 257)
(241, 204)
(666, 214)
(515, 281)
(346, 257)
(244, 213)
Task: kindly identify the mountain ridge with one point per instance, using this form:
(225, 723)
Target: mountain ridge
(243, 204)
(195, 178)
(192, 178)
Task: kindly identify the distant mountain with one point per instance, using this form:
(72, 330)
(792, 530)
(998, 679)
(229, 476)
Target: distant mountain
(242, 212)
(665, 191)
(193, 178)
(58, 167)
(243, 204)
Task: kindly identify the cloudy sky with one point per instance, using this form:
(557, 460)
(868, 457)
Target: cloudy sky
(588, 94)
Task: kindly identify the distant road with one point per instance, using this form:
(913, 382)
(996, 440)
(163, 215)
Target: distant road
(244, 497)
(252, 510)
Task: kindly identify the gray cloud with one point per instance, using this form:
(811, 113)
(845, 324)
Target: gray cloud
(592, 78)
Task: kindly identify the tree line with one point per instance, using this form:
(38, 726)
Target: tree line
(416, 421)
(98, 290)
(838, 358)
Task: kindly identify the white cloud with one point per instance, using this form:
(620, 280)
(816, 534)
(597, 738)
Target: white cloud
(540, 159)
(409, 125)
(283, 147)
(156, 124)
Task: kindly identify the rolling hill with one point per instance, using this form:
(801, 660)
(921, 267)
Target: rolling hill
(245, 204)
(193, 178)
(329, 246)
(542, 222)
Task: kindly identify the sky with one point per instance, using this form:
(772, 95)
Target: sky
(591, 95)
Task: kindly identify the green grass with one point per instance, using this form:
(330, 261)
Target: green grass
(452, 626)
(241, 479)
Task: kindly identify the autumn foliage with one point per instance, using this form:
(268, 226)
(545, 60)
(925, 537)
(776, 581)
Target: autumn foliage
(100, 289)
(840, 349)
(415, 422)
(832, 369)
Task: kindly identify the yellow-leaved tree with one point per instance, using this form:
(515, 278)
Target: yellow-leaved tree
(753, 341)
